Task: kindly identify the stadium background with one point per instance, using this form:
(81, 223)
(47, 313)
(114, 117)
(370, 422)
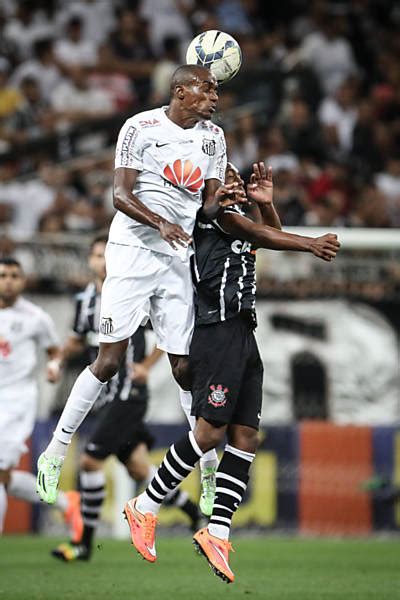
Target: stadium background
(318, 98)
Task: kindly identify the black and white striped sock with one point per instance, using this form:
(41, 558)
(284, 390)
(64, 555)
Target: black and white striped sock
(232, 477)
(92, 498)
(178, 463)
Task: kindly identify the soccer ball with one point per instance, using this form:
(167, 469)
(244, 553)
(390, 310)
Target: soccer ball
(218, 51)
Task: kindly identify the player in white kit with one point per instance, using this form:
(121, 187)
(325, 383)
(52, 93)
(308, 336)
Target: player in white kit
(169, 162)
(24, 328)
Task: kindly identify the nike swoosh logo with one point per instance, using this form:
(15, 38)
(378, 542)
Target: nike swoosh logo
(152, 550)
(221, 555)
(161, 145)
(67, 432)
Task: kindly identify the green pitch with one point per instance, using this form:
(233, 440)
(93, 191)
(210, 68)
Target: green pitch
(268, 568)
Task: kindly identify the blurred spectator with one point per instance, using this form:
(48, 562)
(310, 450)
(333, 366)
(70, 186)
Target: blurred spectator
(42, 67)
(329, 53)
(73, 49)
(128, 51)
(76, 100)
(10, 97)
(232, 16)
(97, 17)
(34, 117)
(167, 18)
(338, 115)
(388, 182)
(26, 28)
(288, 197)
(276, 153)
(301, 131)
(162, 73)
(328, 211)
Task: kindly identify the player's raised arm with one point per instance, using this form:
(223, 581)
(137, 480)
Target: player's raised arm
(217, 197)
(263, 236)
(260, 193)
(125, 201)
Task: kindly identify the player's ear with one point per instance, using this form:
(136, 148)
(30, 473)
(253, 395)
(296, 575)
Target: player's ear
(180, 92)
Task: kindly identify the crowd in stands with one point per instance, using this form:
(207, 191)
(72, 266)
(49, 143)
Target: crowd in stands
(317, 98)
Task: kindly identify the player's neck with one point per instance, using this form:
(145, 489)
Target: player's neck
(181, 117)
(7, 302)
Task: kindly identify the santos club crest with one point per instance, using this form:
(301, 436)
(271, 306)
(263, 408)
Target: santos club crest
(218, 396)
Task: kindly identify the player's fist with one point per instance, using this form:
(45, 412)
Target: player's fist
(325, 247)
(53, 371)
(174, 234)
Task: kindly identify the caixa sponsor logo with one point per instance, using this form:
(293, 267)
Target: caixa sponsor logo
(239, 247)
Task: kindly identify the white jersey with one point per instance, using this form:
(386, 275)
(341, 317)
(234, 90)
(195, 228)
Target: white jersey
(23, 327)
(173, 165)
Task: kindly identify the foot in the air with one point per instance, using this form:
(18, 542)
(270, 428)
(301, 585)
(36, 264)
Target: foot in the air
(216, 551)
(49, 469)
(208, 486)
(142, 527)
(69, 552)
(73, 516)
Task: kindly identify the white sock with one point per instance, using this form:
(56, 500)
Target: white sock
(220, 531)
(210, 458)
(3, 505)
(145, 504)
(83, 395)
(23, 486)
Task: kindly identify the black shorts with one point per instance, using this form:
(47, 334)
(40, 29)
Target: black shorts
(120, 427)
(227, 373)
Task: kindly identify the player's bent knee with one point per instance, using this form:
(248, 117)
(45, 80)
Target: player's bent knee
(105, 368)
(209, 434)
(243, 438)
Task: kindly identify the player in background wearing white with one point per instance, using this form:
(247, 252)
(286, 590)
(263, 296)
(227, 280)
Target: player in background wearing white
(119, 412)
(24, 328)
(169, 162)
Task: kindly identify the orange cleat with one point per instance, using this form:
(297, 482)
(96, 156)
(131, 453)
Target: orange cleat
(73, 517)
(216, 552)
(142, 528)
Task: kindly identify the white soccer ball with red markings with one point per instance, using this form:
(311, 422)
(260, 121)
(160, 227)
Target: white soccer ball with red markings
(218, 51)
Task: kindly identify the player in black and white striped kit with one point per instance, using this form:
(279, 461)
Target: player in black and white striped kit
(224, 361)
(121, 407)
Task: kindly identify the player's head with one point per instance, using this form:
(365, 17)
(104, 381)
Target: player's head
(97, 261)
(232, 175)
(12, 279)
(195, 90)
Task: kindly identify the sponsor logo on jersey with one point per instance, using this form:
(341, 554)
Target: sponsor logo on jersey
(208, 147)
(149, 122)
(5, 348)
(183, 174)
(240, 247)
(218, 396)
(106, 325)
(127, 143)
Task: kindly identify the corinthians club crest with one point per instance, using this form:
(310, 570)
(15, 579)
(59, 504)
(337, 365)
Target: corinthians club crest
(218, 396)
(208, 147)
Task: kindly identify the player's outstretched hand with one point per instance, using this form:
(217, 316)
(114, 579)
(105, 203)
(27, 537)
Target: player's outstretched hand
(260, 189)
(230, 193)
(174, 235)
(325, 247)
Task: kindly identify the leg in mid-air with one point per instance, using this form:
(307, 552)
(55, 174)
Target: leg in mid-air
(208, 462)
(83, 395)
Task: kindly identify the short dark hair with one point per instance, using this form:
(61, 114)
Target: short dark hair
(10, 261)
(99, 239)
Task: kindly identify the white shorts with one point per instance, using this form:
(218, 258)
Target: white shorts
(17, 419)
(143, 284)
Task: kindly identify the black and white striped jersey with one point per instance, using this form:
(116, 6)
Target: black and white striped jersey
(223, 273)
(86, 324)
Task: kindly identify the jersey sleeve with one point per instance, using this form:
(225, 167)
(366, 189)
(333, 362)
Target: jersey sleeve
(217, 166)
(129, 149)
(47, 336)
